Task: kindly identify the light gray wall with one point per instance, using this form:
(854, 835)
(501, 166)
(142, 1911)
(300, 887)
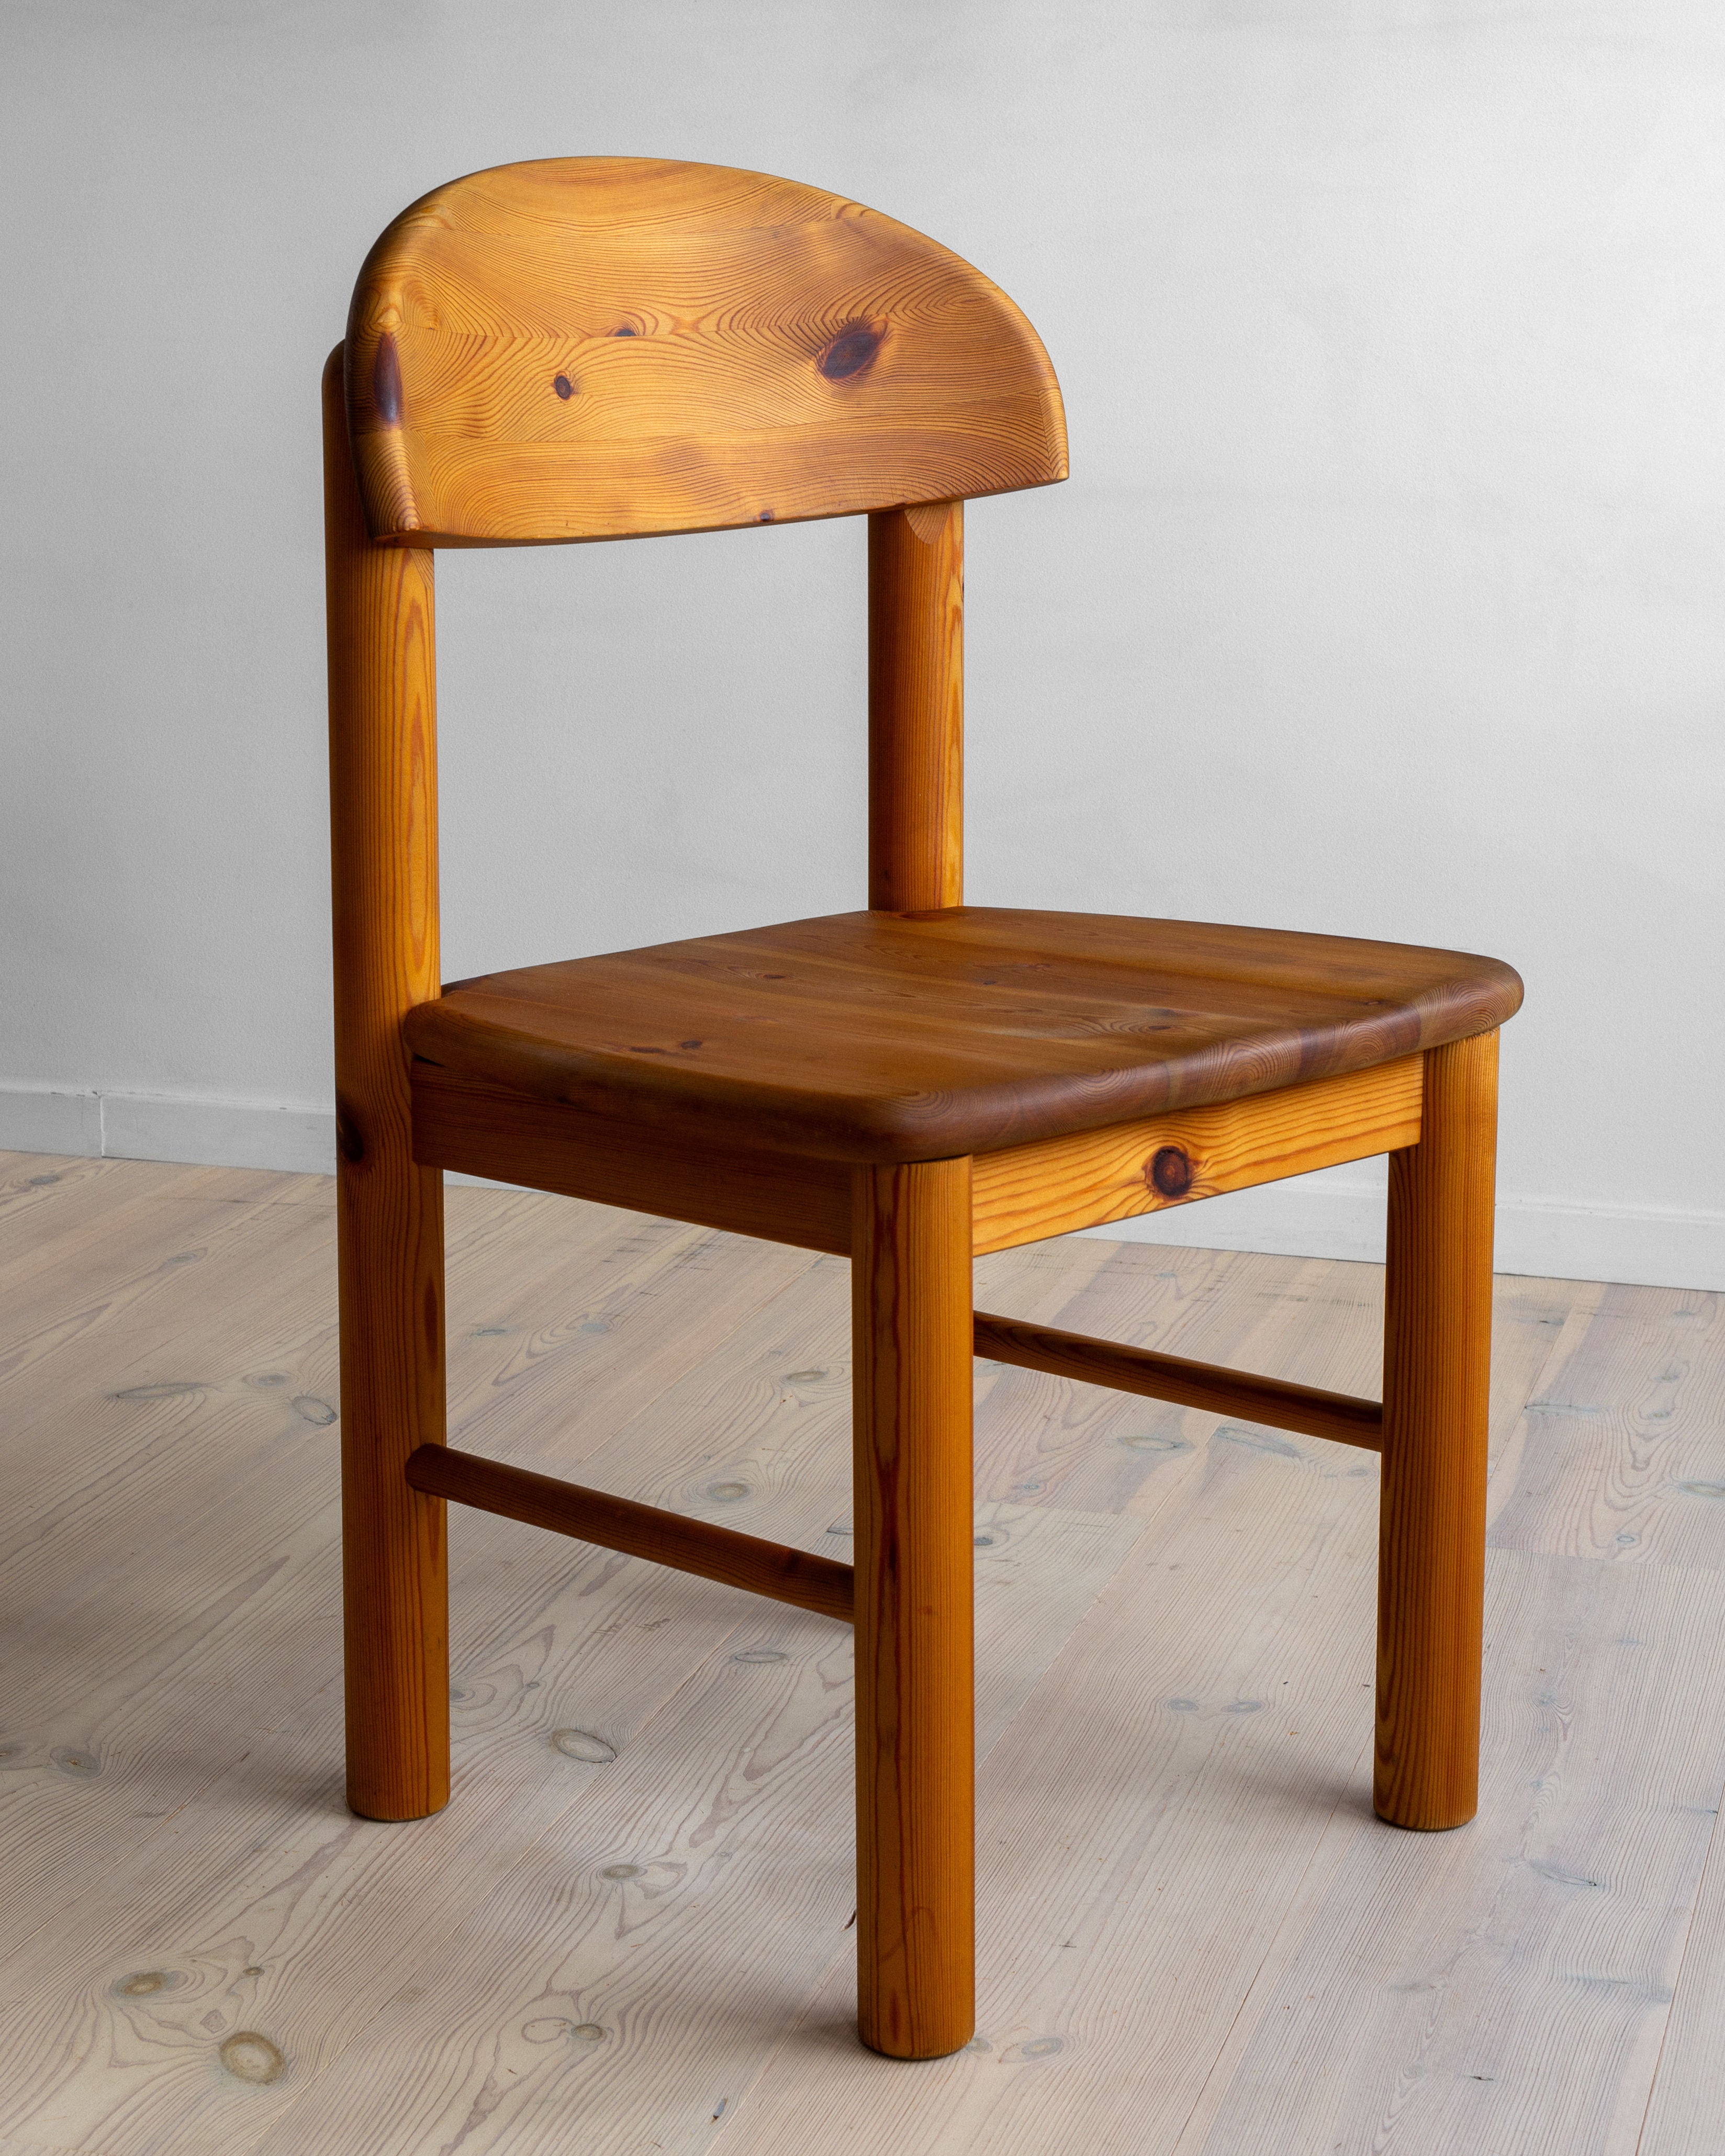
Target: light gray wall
(1385, 598)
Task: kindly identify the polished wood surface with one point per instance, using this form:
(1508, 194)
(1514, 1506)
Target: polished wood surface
(1342, 1416)
(587, 349)
(512, 1138)
(873, 1036)
(917, 708)
(1018, 1196)
(602, 347)
(612, 1522)
(916, 1746)
(1437, 1383)
(1196, 1936)
(1097, 1176)
(384, 887)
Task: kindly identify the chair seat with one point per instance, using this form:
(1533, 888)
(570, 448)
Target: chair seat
(880, 1036)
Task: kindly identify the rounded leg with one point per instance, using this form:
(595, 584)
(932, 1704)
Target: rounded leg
(394, 1554)
(914, 1546)
(389, 1212)
(917, 707)
(1437, 1364)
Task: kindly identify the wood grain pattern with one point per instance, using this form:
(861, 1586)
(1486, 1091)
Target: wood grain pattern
(384, 875)
(1096, 1177)
(234, 1361)
(582, 349)
(1506, 1988)
(336, 1910)
(1682, 2118)
(910, 1379)
(603, 347)
(758, 1735)
(917, 708)
(1391, 1987)
(221, 1694)
(1194, 1936)
(1311, 1322)
(1021, 1195)
(1437, 1378)
(877, 1036)
(43, 1198)
(481, 1130)
(1106, 1952)
(601, 1517)
(1621, 1456)
(49, 1317)
(1344, 1417)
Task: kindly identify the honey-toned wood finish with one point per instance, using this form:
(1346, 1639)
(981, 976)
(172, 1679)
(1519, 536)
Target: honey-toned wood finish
(619, 1523)
(604, 347)
(383, 866)
(917, 708)
(1342, 1416)
(783, 1197)
(915, 1854)
(879, 1036)
(1437, 1371)
(1060, 1184)
(1021, 1195)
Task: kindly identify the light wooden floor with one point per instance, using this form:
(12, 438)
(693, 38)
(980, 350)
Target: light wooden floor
(629, 1932)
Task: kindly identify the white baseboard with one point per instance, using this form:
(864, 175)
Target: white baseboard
(1338, 1213)
(210, 1133)
(32, 1121)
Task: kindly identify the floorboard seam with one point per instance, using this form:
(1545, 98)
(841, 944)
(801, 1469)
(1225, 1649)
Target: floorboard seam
(1712, 1858)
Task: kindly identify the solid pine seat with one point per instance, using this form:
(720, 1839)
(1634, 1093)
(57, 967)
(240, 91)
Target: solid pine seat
(585, 349)
(875, 1036)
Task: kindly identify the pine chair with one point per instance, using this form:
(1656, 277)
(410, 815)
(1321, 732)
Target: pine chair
(598, 348)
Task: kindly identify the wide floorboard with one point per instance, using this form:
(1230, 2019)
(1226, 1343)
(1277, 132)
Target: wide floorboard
(631, 1929)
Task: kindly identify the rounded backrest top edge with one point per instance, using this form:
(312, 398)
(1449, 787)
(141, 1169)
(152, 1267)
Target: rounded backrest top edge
(610, 347)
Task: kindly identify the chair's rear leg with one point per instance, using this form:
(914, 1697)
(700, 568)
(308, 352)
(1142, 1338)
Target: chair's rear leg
(394, 1558)
(1437, 1359)
(383, 858)
(914, 1544)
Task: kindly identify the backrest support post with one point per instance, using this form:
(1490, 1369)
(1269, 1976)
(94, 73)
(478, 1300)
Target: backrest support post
(389, 1209)
(384, 789)
(917, 708)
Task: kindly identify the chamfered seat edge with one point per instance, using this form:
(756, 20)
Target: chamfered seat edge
(470, 1033)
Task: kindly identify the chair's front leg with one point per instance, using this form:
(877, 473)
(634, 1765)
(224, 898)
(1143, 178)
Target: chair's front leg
(914, 1540)
(1437, 1364)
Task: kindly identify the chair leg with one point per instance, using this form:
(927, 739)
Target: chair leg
(389, 1213)
(394, 1556)
(1437, 1359)
(914, 1548)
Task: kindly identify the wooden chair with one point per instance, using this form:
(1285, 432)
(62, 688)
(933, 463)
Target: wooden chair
(590, 348)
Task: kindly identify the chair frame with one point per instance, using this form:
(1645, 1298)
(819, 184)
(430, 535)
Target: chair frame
(910, 1230)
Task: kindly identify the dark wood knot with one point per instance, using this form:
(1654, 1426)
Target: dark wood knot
(1169, 1172)
(564, 387)
(350, 1138)
(386, 381)
(850, 353)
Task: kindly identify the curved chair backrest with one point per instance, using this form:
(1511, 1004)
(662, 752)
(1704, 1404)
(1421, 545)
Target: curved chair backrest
(607, 348)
